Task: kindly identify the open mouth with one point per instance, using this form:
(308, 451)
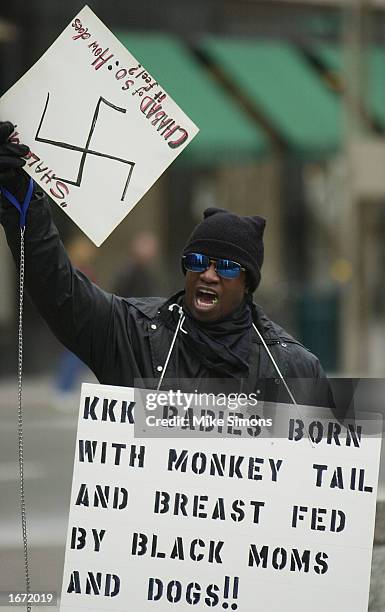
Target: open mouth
(206, 299)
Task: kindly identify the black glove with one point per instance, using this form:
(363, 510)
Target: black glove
(11, 175)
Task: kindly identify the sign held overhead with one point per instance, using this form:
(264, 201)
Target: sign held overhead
(100, 128)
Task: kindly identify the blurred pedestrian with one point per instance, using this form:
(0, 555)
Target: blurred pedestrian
(138, 275)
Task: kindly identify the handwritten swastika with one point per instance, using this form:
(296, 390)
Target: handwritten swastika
(86, 150)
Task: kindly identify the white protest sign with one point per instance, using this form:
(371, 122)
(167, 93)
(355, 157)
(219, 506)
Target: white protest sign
(100, 128)
(231, 524)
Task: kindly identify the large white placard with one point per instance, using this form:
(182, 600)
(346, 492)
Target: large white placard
(231, 524)
(100, 128)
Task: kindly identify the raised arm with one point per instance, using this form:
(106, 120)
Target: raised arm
(77, 311)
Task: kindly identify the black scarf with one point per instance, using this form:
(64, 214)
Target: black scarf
(222, 346)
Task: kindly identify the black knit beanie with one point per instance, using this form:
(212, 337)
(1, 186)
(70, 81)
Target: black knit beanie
(223, 234)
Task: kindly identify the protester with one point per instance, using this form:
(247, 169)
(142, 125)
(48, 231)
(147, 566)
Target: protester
(210, 330)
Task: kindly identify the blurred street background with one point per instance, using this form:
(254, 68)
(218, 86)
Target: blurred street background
(289, 97)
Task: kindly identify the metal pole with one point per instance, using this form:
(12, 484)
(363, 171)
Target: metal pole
(354, 311)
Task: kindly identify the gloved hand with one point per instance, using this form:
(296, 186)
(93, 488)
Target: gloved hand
(11, 175)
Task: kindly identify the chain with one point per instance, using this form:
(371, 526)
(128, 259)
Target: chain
(20, 416)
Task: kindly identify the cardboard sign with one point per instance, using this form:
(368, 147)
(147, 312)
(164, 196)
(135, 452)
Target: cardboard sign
(100, 128)
(231, 524)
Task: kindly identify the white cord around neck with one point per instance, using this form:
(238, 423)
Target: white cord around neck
(283, 380)
(178, 327)
(275, 365)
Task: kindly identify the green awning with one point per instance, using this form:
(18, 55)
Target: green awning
(226, 133)
(284, 88)
(332, 57)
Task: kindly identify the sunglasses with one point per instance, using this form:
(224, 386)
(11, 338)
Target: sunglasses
(196, 262)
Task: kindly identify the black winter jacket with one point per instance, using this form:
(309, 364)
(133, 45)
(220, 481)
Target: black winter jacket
(124, 341)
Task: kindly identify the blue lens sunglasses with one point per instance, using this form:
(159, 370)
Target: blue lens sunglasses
(196, 262)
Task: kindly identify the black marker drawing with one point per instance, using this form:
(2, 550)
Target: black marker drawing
(86, 150)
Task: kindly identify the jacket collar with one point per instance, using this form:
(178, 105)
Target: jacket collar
(148, 306)
(267, 328)
(271, 332)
